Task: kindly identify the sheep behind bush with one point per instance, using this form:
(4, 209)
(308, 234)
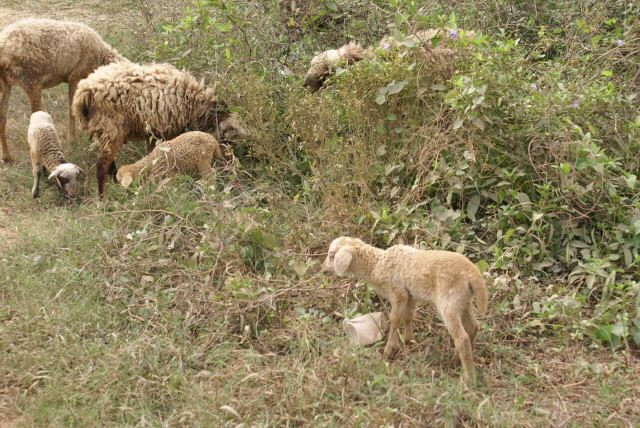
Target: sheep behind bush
(37, 54)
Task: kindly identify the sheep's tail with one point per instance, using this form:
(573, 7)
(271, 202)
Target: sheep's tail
(83, 105)
(479, 289)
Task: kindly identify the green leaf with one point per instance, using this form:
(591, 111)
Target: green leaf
(394, 88)
(483, 265)
(472, 207)
(332, 6)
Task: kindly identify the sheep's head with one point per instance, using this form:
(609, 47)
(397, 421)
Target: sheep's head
(340, 255)
(66, 176)
(316, 75)
(231, 129)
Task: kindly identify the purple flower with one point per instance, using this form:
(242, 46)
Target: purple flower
(453, 34)
(535, 87)
(386, 46)
(619, 42)
(575, 104)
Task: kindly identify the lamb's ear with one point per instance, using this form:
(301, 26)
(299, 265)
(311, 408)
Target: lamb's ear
(126, 181)
(342, 260)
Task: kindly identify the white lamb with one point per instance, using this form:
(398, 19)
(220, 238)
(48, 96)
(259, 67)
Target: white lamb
(37, 54)
(44, 149)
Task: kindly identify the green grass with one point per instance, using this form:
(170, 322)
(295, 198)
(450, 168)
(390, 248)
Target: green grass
(200, 304)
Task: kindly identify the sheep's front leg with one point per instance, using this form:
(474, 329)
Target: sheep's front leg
(37, 172)
(408, 320)
(72, 119)
(5, 91)
(106, 165)
(34, 92)
(399, 302)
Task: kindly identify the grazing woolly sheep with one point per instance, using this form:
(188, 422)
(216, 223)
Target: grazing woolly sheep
(404, 275)
(37, 54)
(188, 153)
(44, 149)
(325, 62)
(124, 101)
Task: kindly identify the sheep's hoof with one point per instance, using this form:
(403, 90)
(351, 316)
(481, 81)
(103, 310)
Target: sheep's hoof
(390, 353)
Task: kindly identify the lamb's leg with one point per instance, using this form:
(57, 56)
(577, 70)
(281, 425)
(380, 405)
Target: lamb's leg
(398, 310)
(204, 167)
(453, 322)
(408, 320)
(470, 323)
(72, 119)
(5, 91)
(36, 171)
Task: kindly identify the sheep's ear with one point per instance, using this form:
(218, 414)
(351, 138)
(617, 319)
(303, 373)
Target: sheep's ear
(55, 173)
(341, 261)
(126, 181)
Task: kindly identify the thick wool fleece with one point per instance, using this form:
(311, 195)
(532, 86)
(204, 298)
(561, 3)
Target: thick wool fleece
(189, 153)
(37, 54)
(124, 101)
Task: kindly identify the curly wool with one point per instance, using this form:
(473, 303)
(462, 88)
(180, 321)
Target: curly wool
(37, 54)
(191, 152)
(45, 153)
(323, 63)
(124, 101)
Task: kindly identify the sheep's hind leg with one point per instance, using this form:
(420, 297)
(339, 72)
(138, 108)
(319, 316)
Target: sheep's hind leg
(72, 119)
(5, 91)
(453, 322)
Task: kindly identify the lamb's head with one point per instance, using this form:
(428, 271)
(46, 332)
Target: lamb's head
(66, 176)
(127, 173)
(340, 255)
(316, 75)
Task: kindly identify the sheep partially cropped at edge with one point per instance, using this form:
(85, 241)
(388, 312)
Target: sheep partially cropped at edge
(124, 101)
(191, 152)
(37, 54)
(45, 153)
(404, 275)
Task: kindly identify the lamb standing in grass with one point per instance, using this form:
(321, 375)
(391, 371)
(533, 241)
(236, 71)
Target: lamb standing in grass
(404, 275)
(191, 152)
(37, 54)
(124, 101)
(44, 149)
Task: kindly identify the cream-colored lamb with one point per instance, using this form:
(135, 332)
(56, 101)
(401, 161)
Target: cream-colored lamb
(191, 152)
(403, 275)
(37, 54)
(44, 149)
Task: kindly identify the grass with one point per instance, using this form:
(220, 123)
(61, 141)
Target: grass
(200, 305)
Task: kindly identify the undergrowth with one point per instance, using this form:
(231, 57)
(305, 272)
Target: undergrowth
(200, 303)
